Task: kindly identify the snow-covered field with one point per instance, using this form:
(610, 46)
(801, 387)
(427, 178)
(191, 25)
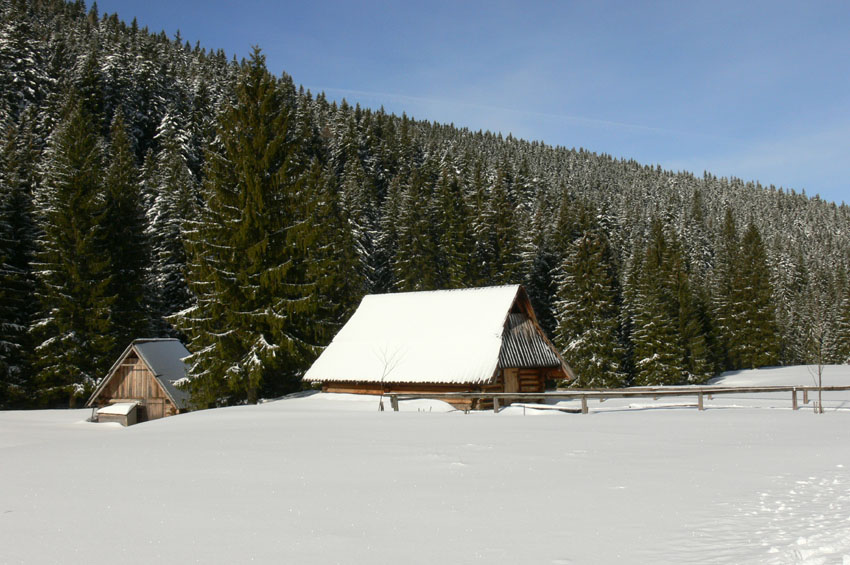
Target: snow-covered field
(329, 479)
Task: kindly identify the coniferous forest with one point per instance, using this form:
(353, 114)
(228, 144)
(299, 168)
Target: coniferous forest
(149, 187)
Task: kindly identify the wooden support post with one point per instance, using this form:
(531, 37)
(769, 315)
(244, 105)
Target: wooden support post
(394, 402)
(699, 401)
(805, 396)
(495, 404)
(793, 399)
(584, 405)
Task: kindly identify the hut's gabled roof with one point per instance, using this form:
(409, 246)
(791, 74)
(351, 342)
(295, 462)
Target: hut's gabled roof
(164, 357)
(443, 336)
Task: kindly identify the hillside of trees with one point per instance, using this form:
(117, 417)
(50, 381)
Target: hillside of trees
(149, 187)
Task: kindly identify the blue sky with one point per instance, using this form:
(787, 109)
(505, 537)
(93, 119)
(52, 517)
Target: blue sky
(756, 90)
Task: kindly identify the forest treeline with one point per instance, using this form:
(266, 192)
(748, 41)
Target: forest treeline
(149, 187)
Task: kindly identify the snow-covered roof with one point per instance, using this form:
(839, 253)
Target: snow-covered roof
(164, 357)
(443, 336)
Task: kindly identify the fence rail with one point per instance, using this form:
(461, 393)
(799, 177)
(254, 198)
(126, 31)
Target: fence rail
(604, 394)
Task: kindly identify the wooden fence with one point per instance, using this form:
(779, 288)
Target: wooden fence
(700, 392)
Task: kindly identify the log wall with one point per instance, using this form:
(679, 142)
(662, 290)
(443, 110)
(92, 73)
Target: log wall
(415, 388)
(531, 380)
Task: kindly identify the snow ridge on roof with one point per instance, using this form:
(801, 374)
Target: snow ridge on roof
(442, 336)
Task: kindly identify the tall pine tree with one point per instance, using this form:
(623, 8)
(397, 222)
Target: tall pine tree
(17, 244)
(251, 329)
(73, 327)
(759, 346)
(587, 311)
(123, 225)
(171, 193)
(657, 349)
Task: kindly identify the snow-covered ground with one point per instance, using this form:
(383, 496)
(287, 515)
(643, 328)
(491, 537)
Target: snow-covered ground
(329, 479)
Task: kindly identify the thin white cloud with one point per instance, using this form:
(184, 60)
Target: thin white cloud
(571, 118)
(815, 161)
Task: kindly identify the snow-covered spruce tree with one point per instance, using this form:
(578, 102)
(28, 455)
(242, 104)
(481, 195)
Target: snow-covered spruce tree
(505, 263)
(791, 282)
(360, 209)
(454, 238)
(170, 190)
(251, 329)
(387, 242)
(334, 264)
(88, 84)
(843, 330)
(657, 351)
(757, 343)
(540, 257)
(588, 331)
(22, 73)
(415, 265)
(72, 329)
(686, 310)
(726, 299)
(482, 227)
(17, 244)
(123, 225)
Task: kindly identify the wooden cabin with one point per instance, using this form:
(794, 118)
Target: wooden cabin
(143, 382)
(467, 340)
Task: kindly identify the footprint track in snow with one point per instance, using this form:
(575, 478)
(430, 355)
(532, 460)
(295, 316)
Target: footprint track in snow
(794, 520)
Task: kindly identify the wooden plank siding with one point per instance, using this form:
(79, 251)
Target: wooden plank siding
(135, 381)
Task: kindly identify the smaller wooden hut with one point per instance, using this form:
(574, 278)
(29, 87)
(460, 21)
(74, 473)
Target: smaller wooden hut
(144, 382)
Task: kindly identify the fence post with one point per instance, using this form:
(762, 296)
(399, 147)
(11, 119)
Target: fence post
(394, 402)
(699, 401)
(495, 404)
(584, 404)
(793, 399)
(805, 396)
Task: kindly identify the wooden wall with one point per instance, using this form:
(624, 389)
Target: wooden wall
(415, 388)
(134, 381)
(508, 380)
(531, 380)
